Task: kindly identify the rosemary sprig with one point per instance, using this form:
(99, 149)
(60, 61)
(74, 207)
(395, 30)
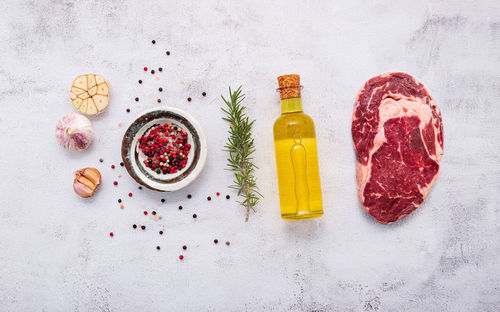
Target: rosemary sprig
(240, 146)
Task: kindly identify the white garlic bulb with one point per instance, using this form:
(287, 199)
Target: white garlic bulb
(74, 132)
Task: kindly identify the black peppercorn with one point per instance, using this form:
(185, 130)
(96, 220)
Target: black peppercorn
(158, 247)
(180, 207)
(204, 94)
(159, 101)
(189, 196)
(137, 99)
(101, 160)
(228, 243)
(227, 196)
(128, 110)
(160, 69)
(161, 232)
(168, 52)
(163, 200)
(194, 215)
(152, 71)
(140, 81)
(143, 227)
(209, 198)
(134, 226)
(189, 99)
(122, 164)
(153, 42)
(119, 200)
(140, 187)
(160, 89)
(216, 241)
(184, 247)
(154, 213)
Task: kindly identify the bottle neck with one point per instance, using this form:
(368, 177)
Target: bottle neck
(291, 105)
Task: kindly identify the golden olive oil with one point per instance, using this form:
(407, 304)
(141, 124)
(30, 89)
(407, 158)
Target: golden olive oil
(296, 156)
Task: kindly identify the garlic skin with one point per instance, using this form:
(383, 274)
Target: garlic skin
(74, 132)
(86, 182)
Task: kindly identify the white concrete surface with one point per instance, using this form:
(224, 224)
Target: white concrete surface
(55, 252)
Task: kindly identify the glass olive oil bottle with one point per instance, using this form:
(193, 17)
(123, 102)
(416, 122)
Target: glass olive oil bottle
(296, 155)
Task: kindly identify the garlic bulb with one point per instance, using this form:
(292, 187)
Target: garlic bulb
(86, 182)
(74, 132)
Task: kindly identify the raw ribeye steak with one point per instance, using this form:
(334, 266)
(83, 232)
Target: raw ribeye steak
(398, 138)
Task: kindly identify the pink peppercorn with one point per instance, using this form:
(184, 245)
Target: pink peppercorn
(145, 68)
(129, 194)
(145, 213)
(115, 183)
(181, 257)
(112, 166)
(111, 234)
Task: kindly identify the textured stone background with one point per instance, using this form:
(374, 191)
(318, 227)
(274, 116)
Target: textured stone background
(55, 252)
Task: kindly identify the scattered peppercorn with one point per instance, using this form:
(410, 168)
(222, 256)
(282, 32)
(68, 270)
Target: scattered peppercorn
(168, 52)
(158, 247)
(122, 164)
(128, 110)
(216, 241)
(227, 196)
(160, 69)
(218, 194)
(101, 160)
(119, 200)
(134, 226)
(209, 198)
(160, 89)
(140, 81)
(153, 213)
(161, 232)
(145, 68)
(137, 99)
(204, 94)
(129, 194)
(228, 243)
(111, 234)
(140, 187)
(153, 42)
(152, 71)
(194, 215)
(143, 227)
(145, 213)
(163, 200)
(181, 257)
(115, 183)
(189, 99)
(112, 166)
(159, 101)
(180, 207)
(184, 247)
(189, 196)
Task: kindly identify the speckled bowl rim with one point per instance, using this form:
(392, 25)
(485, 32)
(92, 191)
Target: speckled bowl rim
(128, 150)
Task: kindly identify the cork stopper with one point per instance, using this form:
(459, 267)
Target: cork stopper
(289, 86)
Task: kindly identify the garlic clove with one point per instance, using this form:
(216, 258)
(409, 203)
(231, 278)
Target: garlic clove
(82, 190)
(86, 182)
(93, 175)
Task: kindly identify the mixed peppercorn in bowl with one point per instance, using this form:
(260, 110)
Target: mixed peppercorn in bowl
(164, 149)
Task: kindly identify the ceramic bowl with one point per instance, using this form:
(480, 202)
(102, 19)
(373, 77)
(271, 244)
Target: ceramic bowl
(133, 157)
